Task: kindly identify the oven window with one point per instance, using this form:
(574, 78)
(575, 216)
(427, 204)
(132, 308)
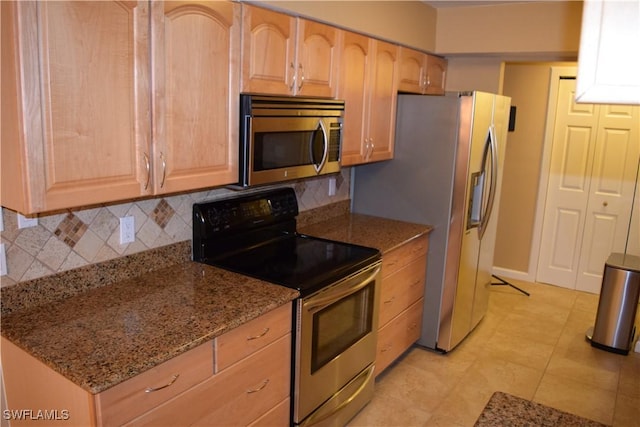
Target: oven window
(274, 150)
(340, 325)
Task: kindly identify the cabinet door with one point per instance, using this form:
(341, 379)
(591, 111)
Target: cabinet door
(355, 65)
(382, 113)
(268, 51)
(436, 75)
(317, 59)
(195, 94)
(83, 100)
(413, 75)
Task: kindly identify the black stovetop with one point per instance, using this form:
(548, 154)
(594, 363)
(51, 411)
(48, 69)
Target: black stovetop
(255, 235)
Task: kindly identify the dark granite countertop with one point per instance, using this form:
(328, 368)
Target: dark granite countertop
(106, 335)
(380, 233)
(101, 325)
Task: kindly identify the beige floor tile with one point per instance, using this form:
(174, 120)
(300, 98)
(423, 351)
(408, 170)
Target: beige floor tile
(572, 396)
(418, 388)
(629, 384)
(627, 412)
(518, 349)
(386, 411)
(493, 374)
(461, 406)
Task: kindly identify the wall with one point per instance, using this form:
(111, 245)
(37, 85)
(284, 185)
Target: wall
(528, 86)
(411, 23)
(548, 30)
(77, 238)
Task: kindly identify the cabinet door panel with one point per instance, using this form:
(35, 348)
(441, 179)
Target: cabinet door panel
(354, 69)
(436, 75)
(383, 102)
(196, 55)
(268, 49)
(317, 59)
(412, 71)
(93, 77)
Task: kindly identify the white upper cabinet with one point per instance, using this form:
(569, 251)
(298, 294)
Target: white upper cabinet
(609, 59)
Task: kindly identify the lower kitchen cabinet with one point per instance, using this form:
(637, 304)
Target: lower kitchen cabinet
(401, 300)
(240, 378)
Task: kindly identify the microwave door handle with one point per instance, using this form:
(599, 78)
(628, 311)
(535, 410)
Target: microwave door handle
(325, 146)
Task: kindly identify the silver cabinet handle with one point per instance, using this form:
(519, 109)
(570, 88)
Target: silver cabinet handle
(152, 389)
(255, 337)
(301, 75)
(164, 169)
(260, 387)
(293, 76)
(148, 166)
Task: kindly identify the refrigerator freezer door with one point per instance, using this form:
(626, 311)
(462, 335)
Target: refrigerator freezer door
(485, 260)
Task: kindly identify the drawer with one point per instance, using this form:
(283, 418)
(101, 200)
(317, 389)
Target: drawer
(398, 335)
(403, 255)
(401, 289)
(252, 336)
(278, 416)
(129, 399)
(236, 396)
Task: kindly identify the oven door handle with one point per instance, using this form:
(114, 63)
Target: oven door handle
(315, 304)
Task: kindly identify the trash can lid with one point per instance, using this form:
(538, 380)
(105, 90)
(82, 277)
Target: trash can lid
(624, 262)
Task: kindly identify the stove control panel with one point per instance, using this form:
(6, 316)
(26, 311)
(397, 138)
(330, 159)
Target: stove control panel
(245, 212)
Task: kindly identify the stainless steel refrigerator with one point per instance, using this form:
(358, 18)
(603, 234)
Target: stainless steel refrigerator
(446, 172)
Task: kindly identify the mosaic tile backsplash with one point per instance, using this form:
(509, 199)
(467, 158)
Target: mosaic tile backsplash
(78, 238)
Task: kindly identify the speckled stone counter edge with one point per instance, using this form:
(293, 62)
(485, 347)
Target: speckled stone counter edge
(63, 285)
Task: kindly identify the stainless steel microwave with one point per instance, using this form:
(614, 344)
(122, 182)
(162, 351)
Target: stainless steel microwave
(285, 138)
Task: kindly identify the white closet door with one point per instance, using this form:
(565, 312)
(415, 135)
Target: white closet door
(594, 161)
(613, 175)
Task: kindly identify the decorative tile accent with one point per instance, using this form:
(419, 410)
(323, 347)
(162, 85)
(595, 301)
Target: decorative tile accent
(71, 230)
(91, 236)
(162, 213)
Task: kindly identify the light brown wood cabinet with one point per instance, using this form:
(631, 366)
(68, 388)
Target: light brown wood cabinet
(401, 300)
(421, 73)
(195, 77)
(368, 77)
(286, 55)
(79, 96)
(240, 378)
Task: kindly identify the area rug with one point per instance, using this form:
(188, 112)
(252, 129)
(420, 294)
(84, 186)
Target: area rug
(504, 410)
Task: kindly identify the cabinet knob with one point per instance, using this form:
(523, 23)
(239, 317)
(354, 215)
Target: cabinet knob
(605, 204)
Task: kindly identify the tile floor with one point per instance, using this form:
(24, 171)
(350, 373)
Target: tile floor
(532, 347)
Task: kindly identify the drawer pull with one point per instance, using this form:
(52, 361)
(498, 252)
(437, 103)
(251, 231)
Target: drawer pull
(255, 337)
(260, 387)
(389, 301)
(152, 389)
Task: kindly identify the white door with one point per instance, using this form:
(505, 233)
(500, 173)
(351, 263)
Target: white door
(594, 159)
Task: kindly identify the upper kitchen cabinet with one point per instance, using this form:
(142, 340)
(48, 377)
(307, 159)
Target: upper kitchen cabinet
(368, 76)
(78, 98)
(421, 73)
(75, 102)
(284, 55)
(608, 62)
(195, 93)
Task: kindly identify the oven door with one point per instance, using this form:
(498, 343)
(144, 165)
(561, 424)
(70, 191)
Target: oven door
(336, 347)
(288, 147)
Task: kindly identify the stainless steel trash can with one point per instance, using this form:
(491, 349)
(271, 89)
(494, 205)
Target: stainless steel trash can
(615, 320)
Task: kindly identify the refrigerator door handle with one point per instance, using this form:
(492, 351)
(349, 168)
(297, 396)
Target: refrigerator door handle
(492, 145)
